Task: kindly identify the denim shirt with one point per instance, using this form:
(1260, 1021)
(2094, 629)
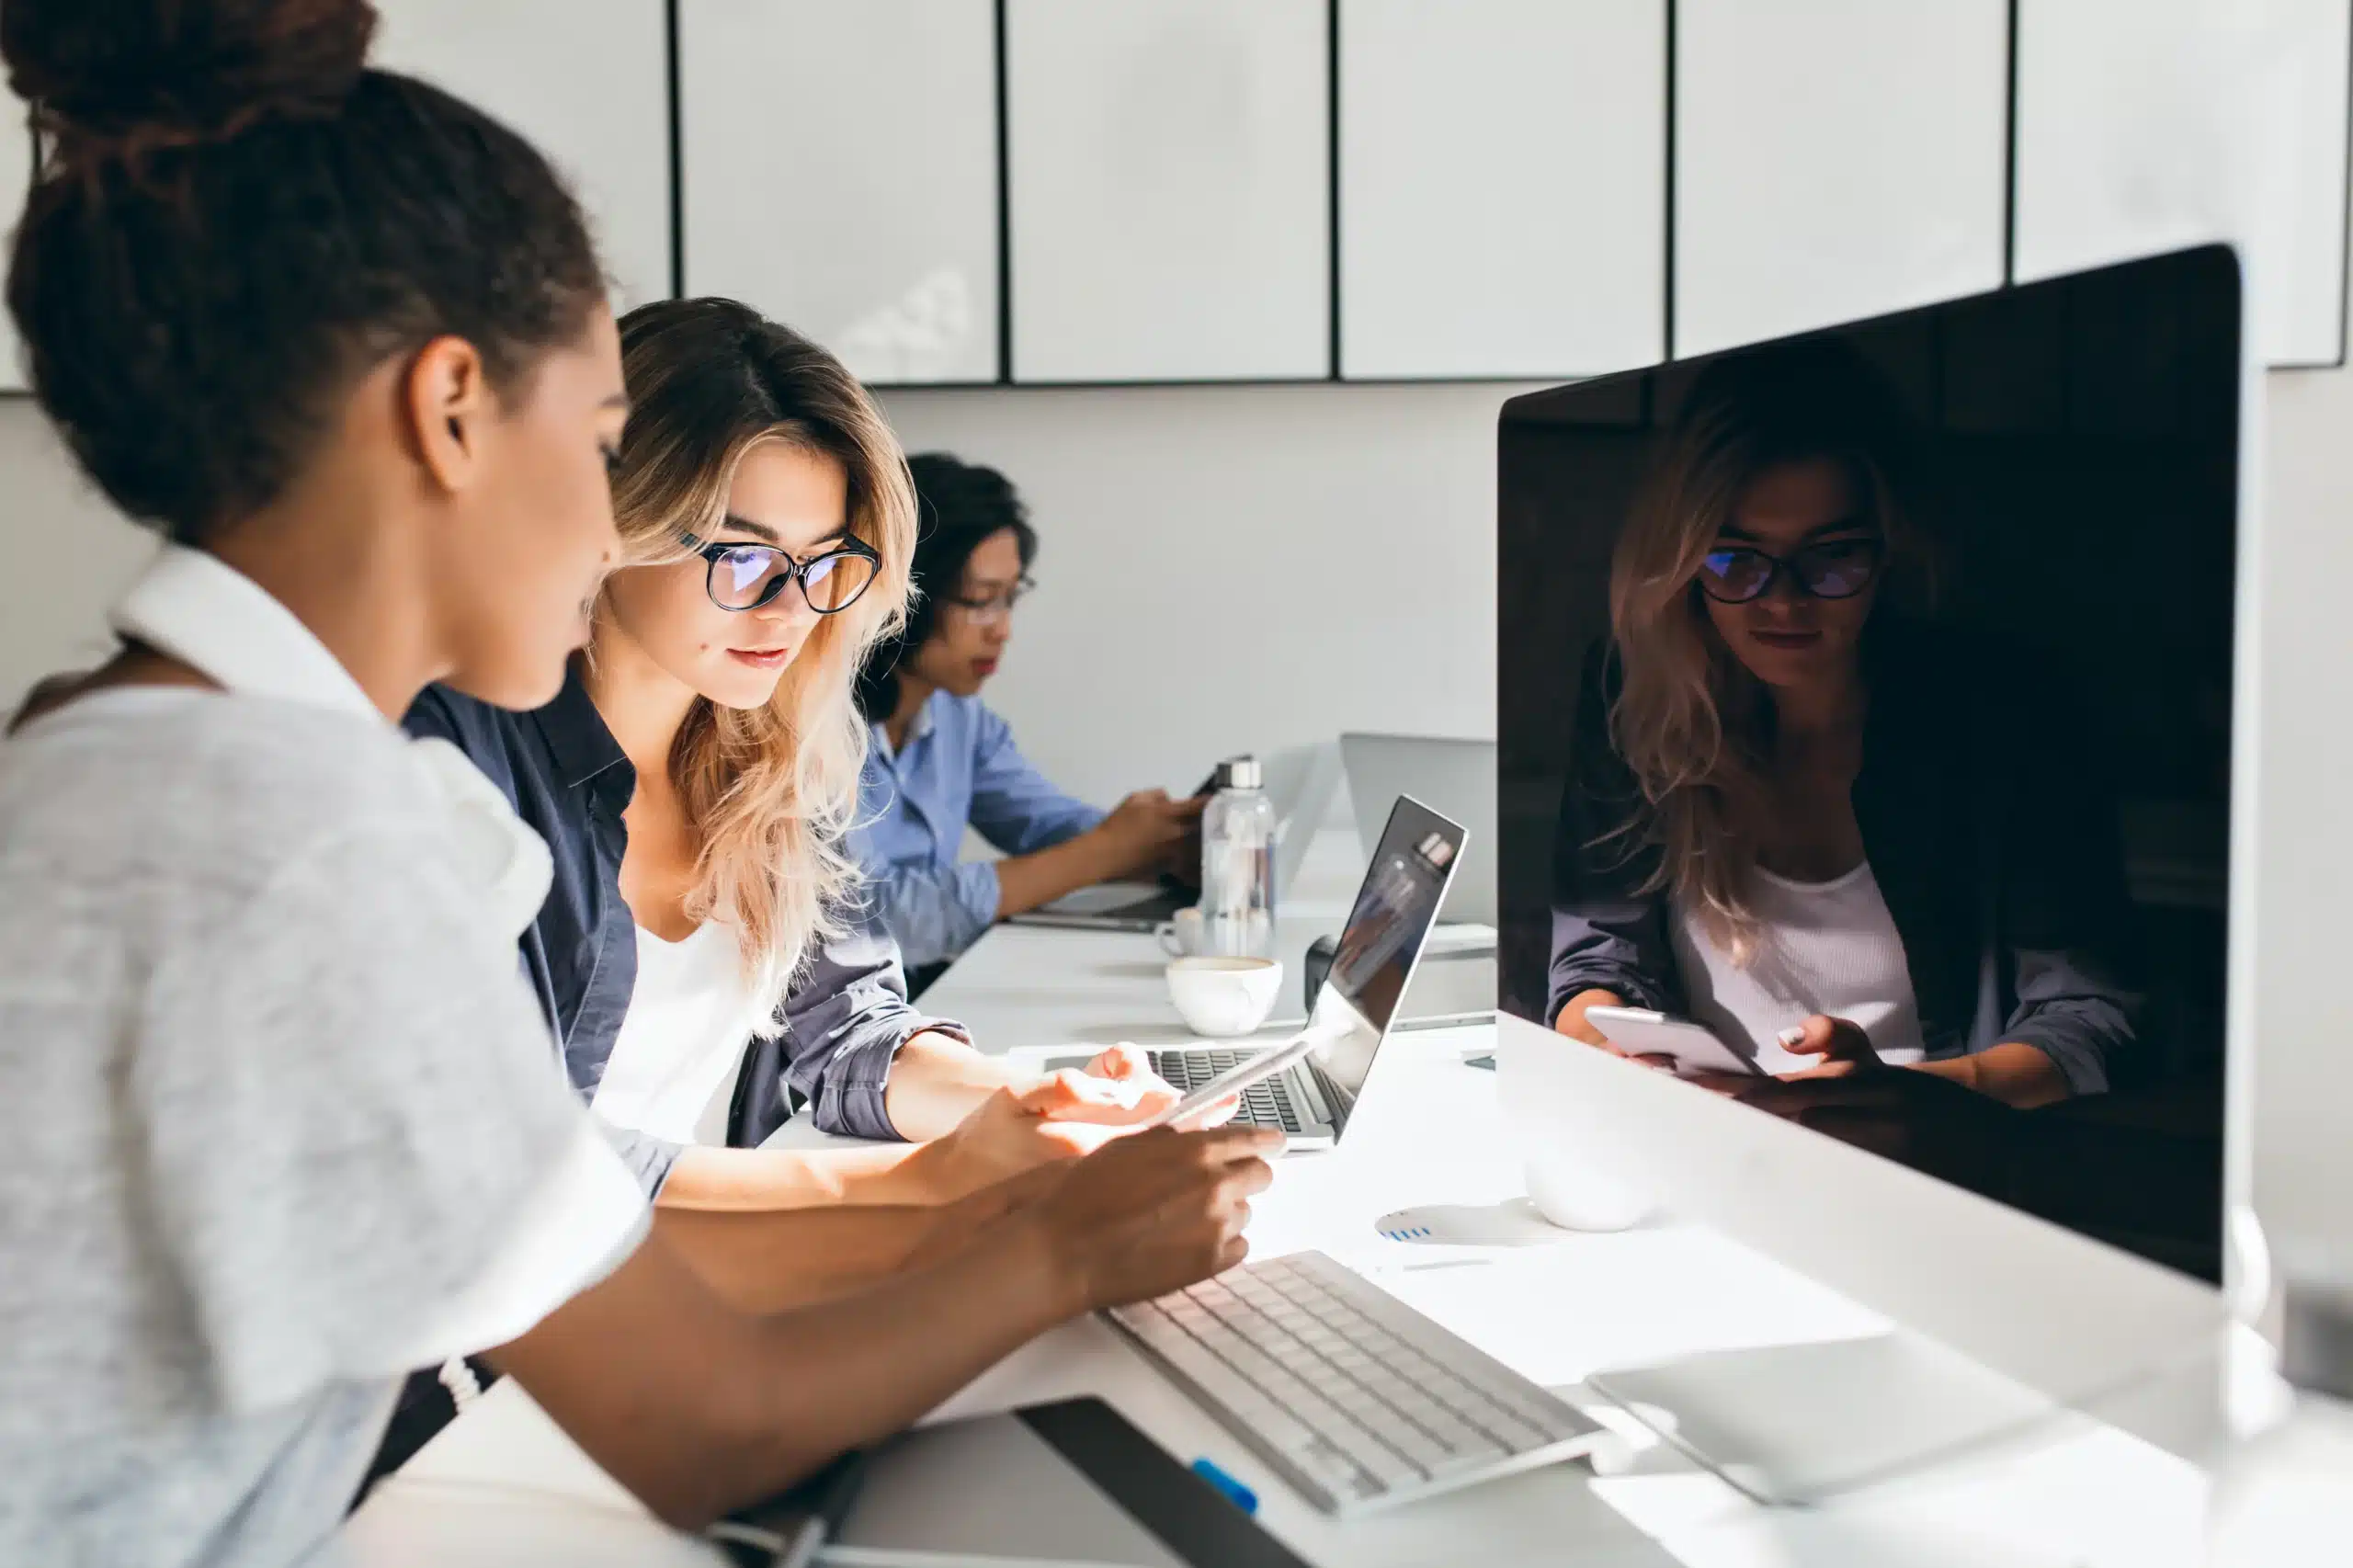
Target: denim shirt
(959, 768)
(845, 1017)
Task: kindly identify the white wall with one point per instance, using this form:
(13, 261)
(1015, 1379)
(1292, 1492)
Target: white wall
(1223, 568)
(63, 553)
(1234, 568)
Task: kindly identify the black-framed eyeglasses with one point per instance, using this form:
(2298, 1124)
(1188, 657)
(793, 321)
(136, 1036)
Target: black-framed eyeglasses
(994, 606)
(746, 577)
(1834, 569)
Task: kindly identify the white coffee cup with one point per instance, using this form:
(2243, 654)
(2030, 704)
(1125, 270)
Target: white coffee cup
(1182, 934)
(1224, 997)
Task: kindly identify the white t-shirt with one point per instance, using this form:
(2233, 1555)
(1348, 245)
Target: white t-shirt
(284, 1124)
(674, 1063)
(1829, 948)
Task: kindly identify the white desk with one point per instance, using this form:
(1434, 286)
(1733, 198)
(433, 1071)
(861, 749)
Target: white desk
(502, 1485)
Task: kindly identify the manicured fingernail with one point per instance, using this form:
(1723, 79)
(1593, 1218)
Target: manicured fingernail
(1793, 1035)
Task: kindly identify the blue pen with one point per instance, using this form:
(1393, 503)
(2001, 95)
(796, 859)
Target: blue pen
(1241, 1496)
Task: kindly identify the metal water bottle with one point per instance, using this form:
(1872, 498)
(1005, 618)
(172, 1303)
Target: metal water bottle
(1238, 864)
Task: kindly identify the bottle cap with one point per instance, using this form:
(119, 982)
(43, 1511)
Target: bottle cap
(1239, 773)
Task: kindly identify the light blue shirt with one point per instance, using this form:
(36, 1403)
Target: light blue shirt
(959, 768)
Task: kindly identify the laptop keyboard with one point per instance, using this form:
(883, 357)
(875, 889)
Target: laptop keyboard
(1266, 1103)
(1356, 1398)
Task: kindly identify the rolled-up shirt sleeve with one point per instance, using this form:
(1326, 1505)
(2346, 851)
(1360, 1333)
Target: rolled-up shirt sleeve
(845, 1023)
(2082, 1020)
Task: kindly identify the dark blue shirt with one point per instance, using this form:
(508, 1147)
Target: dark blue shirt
(844, 1019)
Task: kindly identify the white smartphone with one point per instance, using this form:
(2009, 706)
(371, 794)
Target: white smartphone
(1235, 1079)
(1640, 1032)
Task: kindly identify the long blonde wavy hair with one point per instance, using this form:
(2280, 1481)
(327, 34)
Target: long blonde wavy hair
(771, 791)
(1692, 724)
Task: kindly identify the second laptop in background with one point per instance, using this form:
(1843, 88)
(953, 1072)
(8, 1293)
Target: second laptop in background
(1455, 777)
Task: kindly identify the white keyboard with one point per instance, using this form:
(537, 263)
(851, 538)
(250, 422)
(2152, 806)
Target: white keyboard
(1356, 1399)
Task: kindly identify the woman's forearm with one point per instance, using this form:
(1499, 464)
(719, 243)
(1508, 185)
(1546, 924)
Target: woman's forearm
(1025, 882)
(1571, 1020)
(937, 1081)
(2018, 1074)
(763, 1260)
(736, 1180)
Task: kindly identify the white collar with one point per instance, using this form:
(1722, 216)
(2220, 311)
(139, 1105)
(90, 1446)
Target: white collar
(202, 611)
(214, 619)
(922, 726)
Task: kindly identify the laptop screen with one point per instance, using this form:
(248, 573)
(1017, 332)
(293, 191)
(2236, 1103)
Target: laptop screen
(1382, 941)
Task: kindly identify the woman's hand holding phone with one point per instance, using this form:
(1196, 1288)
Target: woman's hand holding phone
(1054, 1117)
(1842, 1045)
(1657, 1040)
(1844, 1049)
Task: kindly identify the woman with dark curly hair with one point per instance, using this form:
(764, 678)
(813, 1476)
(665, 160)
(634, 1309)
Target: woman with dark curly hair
(286, 1122)
(941, 761)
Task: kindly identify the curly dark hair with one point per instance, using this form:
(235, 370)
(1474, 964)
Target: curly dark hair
(959, 507)
(235, 219)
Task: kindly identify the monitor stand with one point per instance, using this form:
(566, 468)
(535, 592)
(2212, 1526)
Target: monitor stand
(1801, 1423)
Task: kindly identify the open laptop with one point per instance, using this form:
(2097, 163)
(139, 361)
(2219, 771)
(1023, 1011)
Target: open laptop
(1299, 780)
(1380, 948)
(1454, 776)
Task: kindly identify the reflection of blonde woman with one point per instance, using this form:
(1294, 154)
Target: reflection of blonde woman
(1838, 839)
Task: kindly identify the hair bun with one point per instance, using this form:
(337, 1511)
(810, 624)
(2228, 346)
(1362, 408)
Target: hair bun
(128, 75)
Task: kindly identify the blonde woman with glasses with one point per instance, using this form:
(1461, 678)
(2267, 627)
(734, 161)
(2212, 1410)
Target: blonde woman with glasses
(705, 957)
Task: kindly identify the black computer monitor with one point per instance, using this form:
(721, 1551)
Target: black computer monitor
(1915, 631)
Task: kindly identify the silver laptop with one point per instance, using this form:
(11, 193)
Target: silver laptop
(1455, 777)
(1380, 948)
(1299, 780)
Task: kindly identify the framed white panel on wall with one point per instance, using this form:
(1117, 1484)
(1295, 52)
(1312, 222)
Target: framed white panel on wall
(839, 172)
(1168, 166)
(2203, 119)
(1835, 160)
(588, 82)
(1503, 187)
(16, 182)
